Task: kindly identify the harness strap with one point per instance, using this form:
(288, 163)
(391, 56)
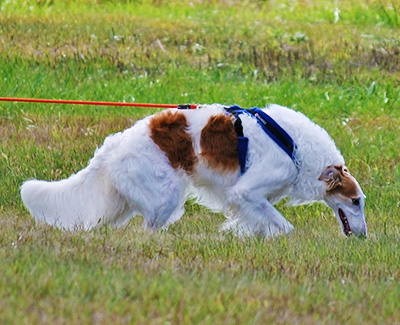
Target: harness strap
(275, 131)
(243, 142)
(269, 126)
(242, 145)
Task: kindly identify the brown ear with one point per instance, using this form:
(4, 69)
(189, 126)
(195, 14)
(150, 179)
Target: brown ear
(332, 177)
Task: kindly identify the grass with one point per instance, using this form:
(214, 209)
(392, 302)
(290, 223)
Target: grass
(344, 74)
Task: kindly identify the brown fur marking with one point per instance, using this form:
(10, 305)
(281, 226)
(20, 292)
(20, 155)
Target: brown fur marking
(218, 143)
(346, 185)
(169, 132)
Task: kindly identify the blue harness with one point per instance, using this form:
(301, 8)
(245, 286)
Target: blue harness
(269, 126)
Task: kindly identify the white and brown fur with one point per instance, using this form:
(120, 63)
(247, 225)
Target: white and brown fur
(151, 168)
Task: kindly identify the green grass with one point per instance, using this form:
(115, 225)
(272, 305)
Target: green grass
(343, 74)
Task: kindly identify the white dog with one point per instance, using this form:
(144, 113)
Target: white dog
(151, 168)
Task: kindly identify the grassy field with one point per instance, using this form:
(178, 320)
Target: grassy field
(338, 62)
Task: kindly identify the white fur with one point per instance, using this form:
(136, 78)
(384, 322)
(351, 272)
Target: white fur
(130, 175)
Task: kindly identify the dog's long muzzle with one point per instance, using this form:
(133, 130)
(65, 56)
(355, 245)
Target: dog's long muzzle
(354, 225)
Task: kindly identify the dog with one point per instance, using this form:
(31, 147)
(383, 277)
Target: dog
(151, 168)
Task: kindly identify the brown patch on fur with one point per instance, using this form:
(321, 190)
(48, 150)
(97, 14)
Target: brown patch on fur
(339, 180)
(219, 143)
(169, 132)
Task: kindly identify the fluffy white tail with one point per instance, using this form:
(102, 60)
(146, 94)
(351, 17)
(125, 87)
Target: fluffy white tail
(81, 201)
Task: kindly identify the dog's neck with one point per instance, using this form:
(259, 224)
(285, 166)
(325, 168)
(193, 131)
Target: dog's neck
(314, 153)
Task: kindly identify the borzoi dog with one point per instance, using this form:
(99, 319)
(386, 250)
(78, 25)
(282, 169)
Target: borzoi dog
(151, 168)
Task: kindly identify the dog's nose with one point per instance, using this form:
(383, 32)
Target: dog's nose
(361, 232)
(362, 235)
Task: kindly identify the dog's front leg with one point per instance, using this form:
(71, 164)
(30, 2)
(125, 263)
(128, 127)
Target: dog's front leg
(253, 214)
(247, 204)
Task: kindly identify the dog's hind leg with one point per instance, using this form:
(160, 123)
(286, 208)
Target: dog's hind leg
(158, 211)
(164, 208)
(154, 190)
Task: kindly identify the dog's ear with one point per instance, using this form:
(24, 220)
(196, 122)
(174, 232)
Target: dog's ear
(332, 177)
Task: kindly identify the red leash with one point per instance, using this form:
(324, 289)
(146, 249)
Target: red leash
(82, 102)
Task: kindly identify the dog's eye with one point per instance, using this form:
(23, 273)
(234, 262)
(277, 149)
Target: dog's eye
(356, 201)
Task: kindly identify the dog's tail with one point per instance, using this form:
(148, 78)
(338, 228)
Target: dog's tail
(81, 201)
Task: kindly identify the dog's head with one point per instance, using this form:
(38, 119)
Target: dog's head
(345, 196)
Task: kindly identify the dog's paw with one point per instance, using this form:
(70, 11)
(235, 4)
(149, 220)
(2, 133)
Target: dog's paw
(264, 228)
